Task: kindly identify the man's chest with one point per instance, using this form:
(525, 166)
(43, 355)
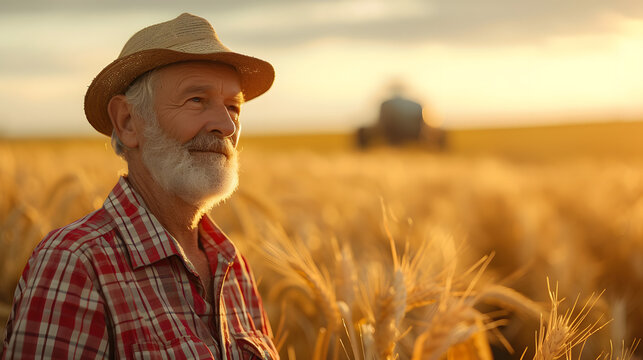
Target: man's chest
(203, 268)
(160, 309)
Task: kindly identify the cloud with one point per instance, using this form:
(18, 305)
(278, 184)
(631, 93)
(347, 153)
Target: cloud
(293, 22)
(469, 22)
(124, 6)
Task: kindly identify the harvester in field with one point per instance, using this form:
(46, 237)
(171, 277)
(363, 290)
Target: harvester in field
(401, 121)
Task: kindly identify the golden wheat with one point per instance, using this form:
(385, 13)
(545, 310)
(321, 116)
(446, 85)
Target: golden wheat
(404, 280)
(561, 333)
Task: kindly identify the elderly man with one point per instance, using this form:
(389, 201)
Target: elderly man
(149, 275)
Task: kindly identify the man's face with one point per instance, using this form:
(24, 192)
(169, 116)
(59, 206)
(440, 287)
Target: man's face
(190, 148)
(198, 97)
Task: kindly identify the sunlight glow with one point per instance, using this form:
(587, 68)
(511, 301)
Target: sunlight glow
(336, 82)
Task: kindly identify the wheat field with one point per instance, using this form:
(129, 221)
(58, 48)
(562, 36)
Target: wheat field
(394, 253)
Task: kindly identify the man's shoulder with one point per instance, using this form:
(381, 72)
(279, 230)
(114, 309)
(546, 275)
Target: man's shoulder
(94, 230)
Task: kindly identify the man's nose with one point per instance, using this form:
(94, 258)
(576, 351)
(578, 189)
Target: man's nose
(220, 121)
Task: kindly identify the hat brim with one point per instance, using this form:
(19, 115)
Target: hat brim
(255, 74)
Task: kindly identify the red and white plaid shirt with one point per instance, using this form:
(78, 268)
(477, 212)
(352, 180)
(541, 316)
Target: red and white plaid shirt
(115, 284)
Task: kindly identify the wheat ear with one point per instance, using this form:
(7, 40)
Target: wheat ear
(564, 332)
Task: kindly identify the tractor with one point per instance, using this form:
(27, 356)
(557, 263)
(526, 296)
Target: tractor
(401, 121)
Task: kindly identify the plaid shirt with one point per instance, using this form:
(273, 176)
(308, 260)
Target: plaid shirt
(115, 284)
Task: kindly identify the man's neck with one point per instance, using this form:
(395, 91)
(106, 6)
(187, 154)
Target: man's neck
(177, 216)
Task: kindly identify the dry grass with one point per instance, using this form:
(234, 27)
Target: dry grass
(392, 254)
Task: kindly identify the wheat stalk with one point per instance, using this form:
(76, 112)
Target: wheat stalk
(511, 299)
(450, 325)
(564, 332)
(301, 266)
(346, 273)
(626, 353)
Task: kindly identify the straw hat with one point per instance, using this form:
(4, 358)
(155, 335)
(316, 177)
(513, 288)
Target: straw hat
(185, 38)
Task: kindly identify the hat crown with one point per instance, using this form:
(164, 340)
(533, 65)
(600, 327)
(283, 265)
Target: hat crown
(185, 33)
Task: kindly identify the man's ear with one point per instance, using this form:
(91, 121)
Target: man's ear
(120, 112)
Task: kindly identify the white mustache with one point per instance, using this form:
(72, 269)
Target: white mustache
(210, 143)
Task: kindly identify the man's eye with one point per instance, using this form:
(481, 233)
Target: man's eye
(196, 99)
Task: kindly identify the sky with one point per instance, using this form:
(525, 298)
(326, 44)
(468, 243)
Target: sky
(471, 63)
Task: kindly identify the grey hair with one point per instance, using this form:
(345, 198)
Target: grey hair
(140, 94)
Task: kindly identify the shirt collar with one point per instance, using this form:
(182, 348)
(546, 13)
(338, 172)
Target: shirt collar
(146, 239)
(213, 237)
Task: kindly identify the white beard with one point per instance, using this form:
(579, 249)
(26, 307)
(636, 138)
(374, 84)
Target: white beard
(202, 179)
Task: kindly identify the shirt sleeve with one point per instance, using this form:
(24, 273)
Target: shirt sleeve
(57, 312)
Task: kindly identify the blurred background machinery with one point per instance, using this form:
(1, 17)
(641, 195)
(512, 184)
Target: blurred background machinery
(402, 121)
